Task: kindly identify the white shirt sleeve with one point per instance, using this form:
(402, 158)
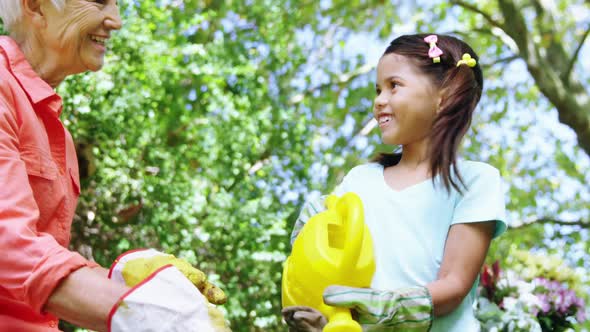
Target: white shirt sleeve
(483, 199)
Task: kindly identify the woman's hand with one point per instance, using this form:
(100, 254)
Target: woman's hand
(134, 266)
(165, 301)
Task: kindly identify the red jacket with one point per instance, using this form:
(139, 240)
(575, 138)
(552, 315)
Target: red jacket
(39, 189)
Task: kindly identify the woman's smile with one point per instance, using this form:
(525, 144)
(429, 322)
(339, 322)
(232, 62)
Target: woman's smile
(99, 42)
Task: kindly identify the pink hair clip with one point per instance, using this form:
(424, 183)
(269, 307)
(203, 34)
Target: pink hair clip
(434, 51)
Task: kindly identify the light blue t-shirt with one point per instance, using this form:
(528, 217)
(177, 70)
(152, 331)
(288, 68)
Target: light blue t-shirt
(409, 227)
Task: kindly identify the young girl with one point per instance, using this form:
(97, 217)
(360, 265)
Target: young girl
(431, 216)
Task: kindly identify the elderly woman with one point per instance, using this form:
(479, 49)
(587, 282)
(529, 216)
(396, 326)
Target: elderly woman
(40, 279)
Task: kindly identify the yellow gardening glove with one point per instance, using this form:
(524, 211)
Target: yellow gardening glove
(217, 319)
(137, 269)
(134, 267)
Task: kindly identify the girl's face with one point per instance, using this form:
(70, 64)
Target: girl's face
(79, 34)
(406, 102)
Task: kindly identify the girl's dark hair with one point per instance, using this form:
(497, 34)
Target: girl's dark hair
(461, 88)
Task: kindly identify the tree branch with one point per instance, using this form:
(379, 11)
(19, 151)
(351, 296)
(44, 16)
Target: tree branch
(517, 29)
(486, 31)
(545, 220)
(571, 98)
(261, 161)
(474, 9)
(501, 60)
(544, 22)
(572, 61)
(344, 78)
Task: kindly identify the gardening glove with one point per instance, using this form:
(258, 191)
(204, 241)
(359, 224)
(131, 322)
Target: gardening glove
(164, 301)
(404, 309)
(134, 266)
(304, 319)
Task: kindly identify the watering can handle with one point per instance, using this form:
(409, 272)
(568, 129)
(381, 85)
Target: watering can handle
(350, 207)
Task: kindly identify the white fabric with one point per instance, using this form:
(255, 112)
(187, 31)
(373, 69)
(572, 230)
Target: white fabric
(165, 302)
(410, 227)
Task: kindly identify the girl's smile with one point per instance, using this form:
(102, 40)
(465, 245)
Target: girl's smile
(384, 120)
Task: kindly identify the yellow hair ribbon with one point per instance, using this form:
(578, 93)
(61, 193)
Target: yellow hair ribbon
(468, 60)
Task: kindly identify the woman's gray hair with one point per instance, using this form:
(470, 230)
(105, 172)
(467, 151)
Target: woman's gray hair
(11, 11)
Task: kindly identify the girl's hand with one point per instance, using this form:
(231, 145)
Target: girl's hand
(406, 308)
(304, 319)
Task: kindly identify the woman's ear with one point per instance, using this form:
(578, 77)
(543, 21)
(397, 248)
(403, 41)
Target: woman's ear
(33, 13)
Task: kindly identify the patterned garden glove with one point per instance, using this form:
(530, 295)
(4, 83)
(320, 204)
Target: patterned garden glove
(304, 319)
(404, 309)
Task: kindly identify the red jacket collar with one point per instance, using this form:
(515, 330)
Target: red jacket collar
(36, 88)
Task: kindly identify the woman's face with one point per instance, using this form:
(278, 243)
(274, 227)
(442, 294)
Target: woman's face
(406, 101)
(78, 35)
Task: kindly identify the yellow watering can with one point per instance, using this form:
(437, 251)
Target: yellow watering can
(333, 248)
